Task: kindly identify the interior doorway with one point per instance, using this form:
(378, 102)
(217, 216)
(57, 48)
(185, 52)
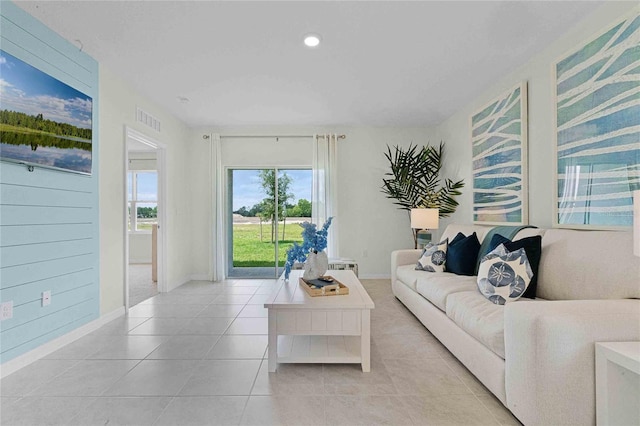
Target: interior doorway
(265, 208)
(145, 224)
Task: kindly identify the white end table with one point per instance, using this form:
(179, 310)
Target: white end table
(618, 383)
(322, 329)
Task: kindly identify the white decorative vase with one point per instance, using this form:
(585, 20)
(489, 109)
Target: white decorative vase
(316, 265)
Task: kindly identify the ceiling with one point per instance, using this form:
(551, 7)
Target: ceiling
(243, 63)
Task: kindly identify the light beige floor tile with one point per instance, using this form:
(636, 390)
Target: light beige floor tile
(411, 346)
(239, 347)
(259, 299)
(83, 347)
(232, 299)
(185, 347)
(348, 379)
(499, 411)
(198, 287)
(119, 326)
(206, 326)
(32, 411)
(294, 410)
(243, 283)
(200, 411)
(450, 410)
(396, 324)
(86, 378)
(268, 289)
(221, 311)
(154, 378)
(366, 410)
(142, 311)
(249, 326)
(129, 347)
(408, 364)
(182, 299)
(25, 380)
(465, 375)
(424, 377)
(289, 379)
(159, 327)
(239, 290)
(253, 311)
(115, 411)
(222, 377)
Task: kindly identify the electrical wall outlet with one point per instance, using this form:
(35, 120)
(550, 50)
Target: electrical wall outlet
(46, 298)
(6, 310)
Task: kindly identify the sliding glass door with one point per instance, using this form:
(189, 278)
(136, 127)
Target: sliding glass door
(266, 207)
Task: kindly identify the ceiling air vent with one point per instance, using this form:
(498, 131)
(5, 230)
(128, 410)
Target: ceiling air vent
(147, 119)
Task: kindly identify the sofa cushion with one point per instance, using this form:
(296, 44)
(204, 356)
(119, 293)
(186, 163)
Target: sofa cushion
(436, 287)
(462, 254)
(588, 265)
(480, 318)
(533, 247)
(504, 275)
(408, 275)
(433, 257)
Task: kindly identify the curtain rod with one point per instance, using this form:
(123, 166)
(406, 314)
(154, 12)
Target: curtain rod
(205, 137)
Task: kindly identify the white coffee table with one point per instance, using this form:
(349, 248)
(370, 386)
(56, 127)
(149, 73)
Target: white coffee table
(322, 329)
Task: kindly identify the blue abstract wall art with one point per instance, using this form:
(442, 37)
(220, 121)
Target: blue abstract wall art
(499, 146)
(598, 130)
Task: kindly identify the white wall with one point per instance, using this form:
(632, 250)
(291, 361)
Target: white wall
(370, 225)
(118, 103)
(538, 73)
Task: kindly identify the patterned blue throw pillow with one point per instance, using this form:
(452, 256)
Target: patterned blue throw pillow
(504, 276)
(433, 257)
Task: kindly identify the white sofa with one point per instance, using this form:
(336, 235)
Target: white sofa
(536, 356)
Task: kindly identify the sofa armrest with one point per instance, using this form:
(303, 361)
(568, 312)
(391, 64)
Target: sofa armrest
(403, 257)
(550, 355)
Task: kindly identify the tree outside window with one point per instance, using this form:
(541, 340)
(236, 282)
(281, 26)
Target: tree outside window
(142, 189)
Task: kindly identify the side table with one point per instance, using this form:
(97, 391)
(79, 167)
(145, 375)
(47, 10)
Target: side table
(336, 265)
(618, 383)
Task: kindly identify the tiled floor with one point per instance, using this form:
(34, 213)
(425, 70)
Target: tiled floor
(141, 286)
(196, 356)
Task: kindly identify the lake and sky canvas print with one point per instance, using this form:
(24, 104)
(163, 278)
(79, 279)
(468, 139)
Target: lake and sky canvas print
(43, 121)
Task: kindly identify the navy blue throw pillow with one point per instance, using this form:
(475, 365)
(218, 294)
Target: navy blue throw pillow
(457, 238)
(462, 254)
(533, 247)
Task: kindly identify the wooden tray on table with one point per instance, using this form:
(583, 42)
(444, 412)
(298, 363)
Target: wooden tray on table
(336, 288)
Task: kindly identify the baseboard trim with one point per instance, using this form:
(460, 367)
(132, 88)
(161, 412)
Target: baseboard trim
(177, 284)
(375, 276)
(41, 351)
(200, 277)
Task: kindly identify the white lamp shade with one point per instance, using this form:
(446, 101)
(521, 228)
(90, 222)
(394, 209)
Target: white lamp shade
(425, 218)
(636, 222)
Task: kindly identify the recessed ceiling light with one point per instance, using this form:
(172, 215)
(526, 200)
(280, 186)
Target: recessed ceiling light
(312, 40)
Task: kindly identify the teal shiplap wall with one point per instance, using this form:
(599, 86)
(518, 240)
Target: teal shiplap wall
(49, 237)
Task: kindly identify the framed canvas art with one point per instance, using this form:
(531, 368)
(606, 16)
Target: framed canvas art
(597, 113)
(499, 151)
(43, 121)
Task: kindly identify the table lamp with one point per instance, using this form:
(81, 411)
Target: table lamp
(422, 220)
(636, 222)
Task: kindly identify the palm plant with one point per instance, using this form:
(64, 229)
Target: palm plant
(414, 180)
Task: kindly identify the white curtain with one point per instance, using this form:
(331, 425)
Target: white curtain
(218, 246)
(324, 194)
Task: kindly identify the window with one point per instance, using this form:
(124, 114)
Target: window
(142, 193)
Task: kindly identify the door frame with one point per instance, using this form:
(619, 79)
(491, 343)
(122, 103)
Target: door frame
(130, 135)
